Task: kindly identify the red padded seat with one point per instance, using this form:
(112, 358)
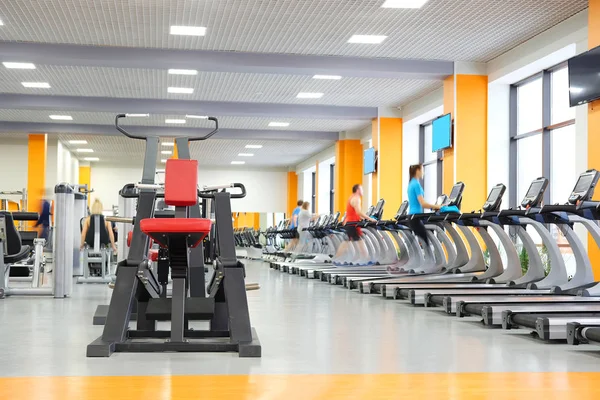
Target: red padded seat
(160, 229)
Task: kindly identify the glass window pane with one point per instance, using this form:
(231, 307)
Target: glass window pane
(563, 169)
(430, 183)
(428, 143)
(529, 163)
(529, 106)
(560, 97)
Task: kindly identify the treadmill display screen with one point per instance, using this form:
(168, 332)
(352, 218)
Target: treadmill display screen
(583, 184)
(534, 189)
(494, 194)
(456, 189)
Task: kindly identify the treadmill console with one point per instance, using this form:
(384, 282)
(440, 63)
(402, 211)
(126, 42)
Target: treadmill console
(442, 200)
(377, 210)
(455, 197)
(494, 199)
(584, 188)
(402, 210)
(535, 193)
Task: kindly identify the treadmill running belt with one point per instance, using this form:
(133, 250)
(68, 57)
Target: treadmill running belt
(593, 334)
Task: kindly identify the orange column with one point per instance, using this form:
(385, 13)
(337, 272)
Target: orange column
(448, 164)
(390, 164)
(256, 221)
(374, 176)
(36, 171)
(175, 152)
(470, 138)
(292, 192)
(85, 178)
(348, 170)
(594, 125)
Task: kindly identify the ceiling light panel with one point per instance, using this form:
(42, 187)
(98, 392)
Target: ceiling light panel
(196, 116)
(403, 3)
(77, 141)
(174, 121)
(328, 77)
(85, 150)
(166, 152)
(36, 85)
(91, 159)
(254, 146)
(19, 65)
(180, 90)
(367, 39)
(188, 30)
(279, 124)
(168, 144)
(183, 72)
(245, 155)
(309, 95)
(61, 117)
(238, 162)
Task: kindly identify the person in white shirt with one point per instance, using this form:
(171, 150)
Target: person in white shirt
(303, 222)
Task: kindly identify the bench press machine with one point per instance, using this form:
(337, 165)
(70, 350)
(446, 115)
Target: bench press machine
(225, 307)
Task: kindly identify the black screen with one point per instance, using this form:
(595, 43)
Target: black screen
(583, 184)
(455, 192)
(534, 189)
(402, 208)
(584, 77)
(494, 194)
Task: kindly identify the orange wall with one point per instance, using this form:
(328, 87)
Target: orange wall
(36, 172)
(390, 164)
(471, 138)
(594, 125)
(292, 193)
(348, 170)
(448, 165)
(246, 220)
(85, 178)
(375, 140)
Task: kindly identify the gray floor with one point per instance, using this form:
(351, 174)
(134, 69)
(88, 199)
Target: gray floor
(305, 326)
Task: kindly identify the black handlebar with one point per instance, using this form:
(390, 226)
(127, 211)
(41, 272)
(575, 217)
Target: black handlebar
(209, 194)
(132, 136)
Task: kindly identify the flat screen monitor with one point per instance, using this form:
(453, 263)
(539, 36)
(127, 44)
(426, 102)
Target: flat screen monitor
(369, 161)
(441, 136)
(584, 77)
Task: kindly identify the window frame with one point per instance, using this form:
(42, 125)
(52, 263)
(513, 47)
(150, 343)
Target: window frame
(314, 192)
(545, 130)
(331, 187)
(437, 161)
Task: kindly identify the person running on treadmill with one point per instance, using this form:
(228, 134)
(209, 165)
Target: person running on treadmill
(354, 214)
(416, 201)
(294, 223)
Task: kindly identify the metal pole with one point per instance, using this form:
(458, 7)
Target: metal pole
(63, 235)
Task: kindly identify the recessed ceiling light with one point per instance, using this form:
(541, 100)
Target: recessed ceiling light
(254, 146)
(197, 116)
(238, 162)
(403, 3)
(164, 161)
(183, 90)
(308, 95)
(62, 117)
(85, 150)
(168, 144)
(188, 30)
(137, 115)
(78, 141)
(183, 72)
(279, 124)
(166, 152)
(330, 77)
(19, 65)
(174, 121)
(91, 159)
(367, 39)
(1, 22)
(246, 155)
(38, 85)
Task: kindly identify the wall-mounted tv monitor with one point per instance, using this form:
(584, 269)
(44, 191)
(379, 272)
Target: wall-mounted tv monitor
(370, 161)
(584, 77)
(441, 133)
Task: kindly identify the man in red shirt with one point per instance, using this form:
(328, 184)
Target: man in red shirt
(346, 253)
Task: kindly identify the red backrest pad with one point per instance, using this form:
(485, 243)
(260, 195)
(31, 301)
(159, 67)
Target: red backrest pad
(181, 182)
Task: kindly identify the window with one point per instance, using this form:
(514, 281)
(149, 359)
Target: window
(314, 192)
(331, 186)
(543, 142)
(432, 164)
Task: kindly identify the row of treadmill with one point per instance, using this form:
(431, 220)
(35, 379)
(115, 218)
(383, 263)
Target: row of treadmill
(467, 272)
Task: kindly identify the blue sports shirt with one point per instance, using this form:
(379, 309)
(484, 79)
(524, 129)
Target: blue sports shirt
(414, 191)
(296, 212)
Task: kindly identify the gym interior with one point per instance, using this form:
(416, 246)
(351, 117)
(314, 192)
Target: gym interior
(278, 199)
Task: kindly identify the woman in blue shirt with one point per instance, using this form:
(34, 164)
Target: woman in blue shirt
(416, 201)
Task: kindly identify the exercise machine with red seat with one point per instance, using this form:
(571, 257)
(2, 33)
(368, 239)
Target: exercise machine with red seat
(180, 238)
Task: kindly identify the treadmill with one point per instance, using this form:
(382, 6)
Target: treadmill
(473, 272)
(506, 283)
(416, 258)
(578, 295)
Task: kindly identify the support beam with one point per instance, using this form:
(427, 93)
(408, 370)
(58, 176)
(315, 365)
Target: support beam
(36, 172)
(223, 61)
(292, 193)
(594, 126)
(90, 129)
(348, 170)
(390, 164)
(181, 107)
